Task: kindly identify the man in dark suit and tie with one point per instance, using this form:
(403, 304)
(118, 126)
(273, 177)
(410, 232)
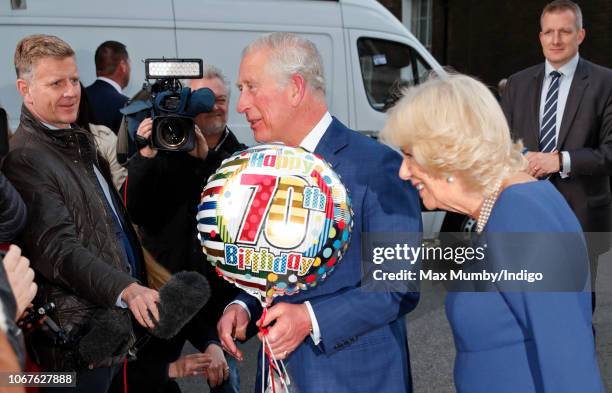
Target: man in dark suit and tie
(336, 337)
(562, 111)
(105, 94)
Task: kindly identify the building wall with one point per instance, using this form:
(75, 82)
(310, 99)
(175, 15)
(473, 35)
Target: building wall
(395, 6)
(494, 39)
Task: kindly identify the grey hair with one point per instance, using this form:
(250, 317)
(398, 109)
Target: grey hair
(209, 71)
(292, 54)
(564, 5)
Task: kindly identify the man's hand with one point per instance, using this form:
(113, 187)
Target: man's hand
(233, 324)
(20, 277)
(201, 148)
(218, 370)
(142, 301)
(292, 326)
(193, 364)
(542, 164)
(145, 129)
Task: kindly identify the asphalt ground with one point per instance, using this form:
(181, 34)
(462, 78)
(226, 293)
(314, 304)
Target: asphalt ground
(431, 343)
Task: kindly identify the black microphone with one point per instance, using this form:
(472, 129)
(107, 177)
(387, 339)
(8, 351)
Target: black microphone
(108, 336)
(179, 300)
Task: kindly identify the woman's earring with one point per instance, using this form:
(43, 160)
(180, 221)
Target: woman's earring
(450, 179)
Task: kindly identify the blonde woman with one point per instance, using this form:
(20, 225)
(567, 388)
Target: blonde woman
(459, 155)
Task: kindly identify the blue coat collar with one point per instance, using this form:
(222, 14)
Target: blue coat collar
(336, 137)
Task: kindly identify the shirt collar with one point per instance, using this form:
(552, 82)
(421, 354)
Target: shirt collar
(567, 70)
(313, 138)
(222, 140)
(111, 82)
(49, 126)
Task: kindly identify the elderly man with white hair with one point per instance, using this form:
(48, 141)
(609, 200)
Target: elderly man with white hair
(334, 335)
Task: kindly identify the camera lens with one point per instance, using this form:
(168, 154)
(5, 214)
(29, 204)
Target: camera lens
(173, 131)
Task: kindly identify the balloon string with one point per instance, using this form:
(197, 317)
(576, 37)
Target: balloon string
(273, 363)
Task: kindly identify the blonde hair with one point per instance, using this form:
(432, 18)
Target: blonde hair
(35, 47)
(454, 126)
(561, 6)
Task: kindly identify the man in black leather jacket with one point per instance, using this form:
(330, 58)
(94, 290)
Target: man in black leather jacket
(78, 237)
(163, 194)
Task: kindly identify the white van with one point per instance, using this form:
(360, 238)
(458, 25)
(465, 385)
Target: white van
(367, 52)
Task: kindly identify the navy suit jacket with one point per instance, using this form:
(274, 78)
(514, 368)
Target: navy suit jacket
(106, 102)
(363, 344)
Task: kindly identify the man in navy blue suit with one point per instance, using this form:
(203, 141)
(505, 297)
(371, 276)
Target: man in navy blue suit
(105, 94)
(336, 337)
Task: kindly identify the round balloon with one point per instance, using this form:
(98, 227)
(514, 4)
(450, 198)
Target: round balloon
(274, 220)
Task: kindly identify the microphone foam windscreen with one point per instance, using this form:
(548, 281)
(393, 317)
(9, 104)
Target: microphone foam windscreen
(201, 101)
(179, 300)
(107, 337)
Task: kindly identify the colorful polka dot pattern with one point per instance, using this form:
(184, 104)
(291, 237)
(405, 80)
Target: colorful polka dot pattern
(274, 220)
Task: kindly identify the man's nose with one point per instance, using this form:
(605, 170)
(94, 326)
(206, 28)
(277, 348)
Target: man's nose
(556, 37)
(72, 90)
(242, 104)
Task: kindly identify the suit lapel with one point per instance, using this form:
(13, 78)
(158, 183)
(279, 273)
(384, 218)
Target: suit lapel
(538, 80)
(334, 140)
(577, 89)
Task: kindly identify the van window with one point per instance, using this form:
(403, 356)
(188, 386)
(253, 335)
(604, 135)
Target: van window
(386, 67)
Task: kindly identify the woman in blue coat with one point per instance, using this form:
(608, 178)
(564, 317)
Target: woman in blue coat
(459, 154)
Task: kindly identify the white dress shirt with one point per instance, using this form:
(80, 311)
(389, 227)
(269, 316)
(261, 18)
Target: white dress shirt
(310, 142)
(565, 82)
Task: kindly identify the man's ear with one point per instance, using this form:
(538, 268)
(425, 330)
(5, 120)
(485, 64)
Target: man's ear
(297, 89)
(581, 35)
(23, 87)
(124, 66)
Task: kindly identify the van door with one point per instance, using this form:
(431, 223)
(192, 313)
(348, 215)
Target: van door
(382, 64)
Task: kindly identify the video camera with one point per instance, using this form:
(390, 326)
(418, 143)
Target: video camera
(174, 106)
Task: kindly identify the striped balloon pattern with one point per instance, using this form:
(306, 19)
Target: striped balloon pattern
(274, 220)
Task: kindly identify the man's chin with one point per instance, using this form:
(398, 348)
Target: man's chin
(262, 135)
(69, 118)
(66, 122)
(213, 131)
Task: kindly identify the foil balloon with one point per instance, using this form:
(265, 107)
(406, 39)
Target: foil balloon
(274, 220)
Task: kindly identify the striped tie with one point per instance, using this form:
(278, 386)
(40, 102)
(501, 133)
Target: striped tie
(548, 127)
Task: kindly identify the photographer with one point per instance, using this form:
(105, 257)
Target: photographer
(163, 192)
